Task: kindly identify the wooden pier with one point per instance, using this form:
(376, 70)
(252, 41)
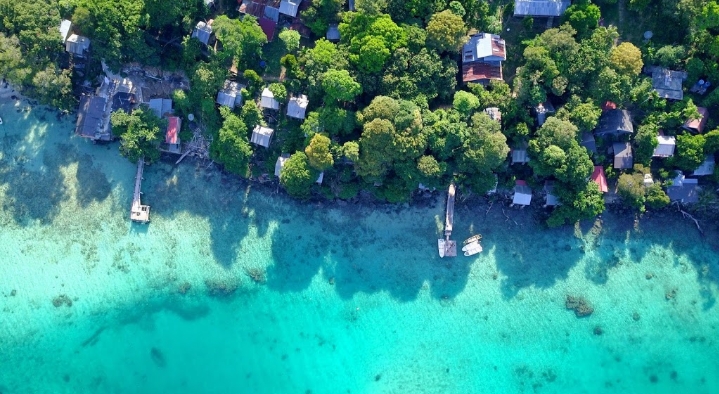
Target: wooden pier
(449, 247)
(138, 212)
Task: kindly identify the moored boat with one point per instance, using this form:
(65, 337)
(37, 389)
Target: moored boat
(441, 246)
(474, 238)
(472, 248)
(0, 119)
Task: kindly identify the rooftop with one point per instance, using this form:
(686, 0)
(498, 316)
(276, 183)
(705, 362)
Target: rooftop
(297, 106)
(540, 8)
(623, 155)
(289, 7)
(684, 190)
(665, 146)
(600, 178)
(65, 26)
(484, 47)
(706, 168)
(267, 100)
(616, 122)
(668, 83)
(160, 106)
(230, 95)
(589, 142)
(481, 72)
(697, 125)
(522, 193)
(90, 116)
(173, 130)
(203, 31)
(261, 135)
(77, 45)
(333, 33)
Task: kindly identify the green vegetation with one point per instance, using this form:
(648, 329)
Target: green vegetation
(385, 111)
(140, 134)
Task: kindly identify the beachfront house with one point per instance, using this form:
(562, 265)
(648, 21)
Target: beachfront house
(667, 83)
(623, 159)
(706, 168)
(203, 31)
(65, 27)
(280, 163)
(683, 190)
(77, 46)
(161, 107)
(261, 136)
(172, 135)
(90, 117)
(230, 95)
(290, 7)
(600, 178)
(333, 33)
(494, 113)
(519, 154)
(550, 199)
(696, 126)
(522, 194)
(297, 106)
(543, 111)
(482, 58)
(268, 101)
(589, 142)
(540, 8)
(614, 122)
(665, 145)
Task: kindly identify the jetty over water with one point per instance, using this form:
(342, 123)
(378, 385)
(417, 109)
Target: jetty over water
(448, 247)
(138, 212)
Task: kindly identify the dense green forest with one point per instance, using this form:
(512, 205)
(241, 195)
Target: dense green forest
(387, 108)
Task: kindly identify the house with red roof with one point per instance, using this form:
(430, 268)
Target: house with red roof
(172, 135)
(482, 58)
(600, 178)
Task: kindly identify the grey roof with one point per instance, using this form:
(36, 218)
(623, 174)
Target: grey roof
(665, 146)
(706, 168)
(589, 142)
(484, 47)
(333, 33)
(89, 116)
(280, 163)
(551, 199)
(494, 113)
(160, 106)
(77, 45)
(261, 136)
(65, 26)
(123, 101)
(230, 95)
(616, 122)
(623, 155)
(272, 13)
(289, 7)
(297, 107)
(519, 155)
(202, 32)
(684, 190)
(542, 110)
(267, 100)
(668, 83)
(540, 7)
(522, 195)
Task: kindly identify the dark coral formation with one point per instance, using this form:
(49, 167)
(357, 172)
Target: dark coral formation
(220, 288)
(184, 288)
(598, 330)
(257, 274)
(61, 300)
(579, 305)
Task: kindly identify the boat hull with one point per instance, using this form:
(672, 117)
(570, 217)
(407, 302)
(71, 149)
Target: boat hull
(472, 248)
(441, 247)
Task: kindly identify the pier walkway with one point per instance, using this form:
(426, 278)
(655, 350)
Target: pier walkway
(138, 212)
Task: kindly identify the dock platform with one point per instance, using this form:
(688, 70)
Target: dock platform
(138, 212)
(448, 248)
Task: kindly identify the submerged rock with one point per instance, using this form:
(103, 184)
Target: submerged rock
(579, 305)
(157, 357)
(61, 300)
(184, 288)
(220, 288)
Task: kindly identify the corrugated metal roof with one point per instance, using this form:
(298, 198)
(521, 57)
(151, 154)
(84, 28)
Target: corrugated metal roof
(261, 136)
(541, 8)
(623, 158)
(289, 7)
(297, 106)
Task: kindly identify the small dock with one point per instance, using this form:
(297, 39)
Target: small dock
(450, 247)
(138, 212)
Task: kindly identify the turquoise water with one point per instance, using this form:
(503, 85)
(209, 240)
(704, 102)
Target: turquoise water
(345, 298)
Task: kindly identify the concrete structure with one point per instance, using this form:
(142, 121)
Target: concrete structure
(267, 100)
(261, 136)
(482, 58)
(623, 158)
(522, 194)
(696, 126)
(230, 95)
(665, 145)
(615, 122)
(297, 106)
(203, 31)
(161, 107)
(540, 8)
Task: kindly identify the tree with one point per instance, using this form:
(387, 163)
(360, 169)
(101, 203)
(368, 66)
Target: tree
(230, 147)
(279, 91)
(320, 14)
(583, 16)
(376, 150)
(690, 152)
(241, 39)
(53, 87)
(465, 102)
(584, 202)
(631, 188)
(711, 145)
(656, 198)
(297, 176)
(371, 7)
(446, 31)
(340, 86)
(291, 39)
(350, 150)
(645, 142)
(626, 59)
(318, 152)
(584, 115)
(139, 132)
(483, 149)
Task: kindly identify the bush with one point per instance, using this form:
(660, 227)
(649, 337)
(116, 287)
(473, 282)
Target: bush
(656, 197)
(348, 191)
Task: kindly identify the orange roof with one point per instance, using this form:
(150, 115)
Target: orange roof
(600, 178)
(697, 125)
(608, 105)
(481, 71)
(520, 183)
(173, 128)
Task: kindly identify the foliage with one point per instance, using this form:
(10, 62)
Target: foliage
(291, 39)
(690, 152)
(465, 102)
(656, 198)
(583, 16)
(230, 147)
(318, 152)
(339, 85)
(711, 145)
(630, 188)
(370, 40)
(140, 134)
(446, 31)
(242, 40)
(584, 115)
(279, 91)
(297, 176)
(627, 59)
(645, 142)
(53, 87)
(320, 14)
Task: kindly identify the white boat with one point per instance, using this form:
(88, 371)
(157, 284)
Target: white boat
(474, 238)
(0, 120)
(441, 245)
(472, 248)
